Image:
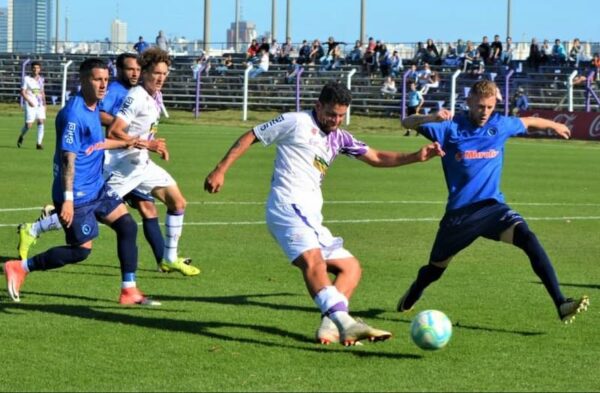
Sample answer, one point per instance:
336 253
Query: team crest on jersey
86 229
492 131
320 164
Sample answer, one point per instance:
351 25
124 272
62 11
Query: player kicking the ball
307 143
474 143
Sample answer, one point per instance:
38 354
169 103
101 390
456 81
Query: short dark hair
335 93
86 67
123 56
35 63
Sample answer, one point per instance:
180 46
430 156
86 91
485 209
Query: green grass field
247 324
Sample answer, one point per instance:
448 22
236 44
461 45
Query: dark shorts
86 216
459 228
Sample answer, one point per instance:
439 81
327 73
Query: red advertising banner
583 125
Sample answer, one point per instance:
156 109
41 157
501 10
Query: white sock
46 224
335 305
40 134
128 284
24 265
174 227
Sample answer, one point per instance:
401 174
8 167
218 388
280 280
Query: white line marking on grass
392 203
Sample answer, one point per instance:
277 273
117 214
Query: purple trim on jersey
341 141
341 306
305 221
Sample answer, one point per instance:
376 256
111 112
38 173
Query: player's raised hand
214 181
432 150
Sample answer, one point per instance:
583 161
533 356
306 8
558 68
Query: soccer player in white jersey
132 169
32 91
307 143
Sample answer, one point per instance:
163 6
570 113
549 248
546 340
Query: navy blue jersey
78 130
474 156
115 95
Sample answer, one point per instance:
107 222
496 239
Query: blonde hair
483 89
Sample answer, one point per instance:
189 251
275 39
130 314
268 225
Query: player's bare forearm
383 159
110 144
68 170
215 179
541 123
413 122
106 119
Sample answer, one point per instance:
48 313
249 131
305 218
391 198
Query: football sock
40 134
57 257
334 305
128 280
45 224
427 274
126 230
24 130
154 237
174 227
526 240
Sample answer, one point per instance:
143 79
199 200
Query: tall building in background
30 23
118 35
246 31
3 29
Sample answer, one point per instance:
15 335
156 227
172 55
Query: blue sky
389 20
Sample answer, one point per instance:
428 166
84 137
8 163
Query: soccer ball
431 329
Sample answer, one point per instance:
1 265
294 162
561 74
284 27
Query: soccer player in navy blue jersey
474 145
80 193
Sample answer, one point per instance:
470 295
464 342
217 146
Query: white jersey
141 112
34 90
304 153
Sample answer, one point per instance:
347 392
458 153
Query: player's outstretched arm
385 159
540 123
413 122
215 179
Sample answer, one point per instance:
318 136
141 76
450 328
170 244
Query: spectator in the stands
292 71
432 55
461 47
576 53
546 52
316 52
385 60
161 41
496 50
507 54
388 89
226 64
355 54
369 58
519 102
414 102
420 54
595 63
535 55
559 54
484 50
252 52
202 64
451 59
285 54
331 59
304 53
264 45
412 74
396 67
262 66
473 60
423 75
141 45
274 51
432 82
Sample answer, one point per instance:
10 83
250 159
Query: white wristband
68 195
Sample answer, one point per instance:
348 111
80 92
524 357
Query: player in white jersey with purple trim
307 143
32 91
132 169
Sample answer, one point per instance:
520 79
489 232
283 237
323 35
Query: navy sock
126 230
528 242
154 237
58 257
427 274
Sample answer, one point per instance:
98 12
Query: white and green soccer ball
431 329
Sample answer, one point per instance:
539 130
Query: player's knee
78 254
147 209
523 237
125 226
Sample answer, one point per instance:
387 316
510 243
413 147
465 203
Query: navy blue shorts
459 228
86 216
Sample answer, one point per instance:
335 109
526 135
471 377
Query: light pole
508 16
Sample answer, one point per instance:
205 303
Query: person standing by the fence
32 91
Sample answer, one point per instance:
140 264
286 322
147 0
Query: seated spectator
262 66
496 50
412 74
414 102
546 52
388 89
559 54
451 58
316 52
369 56
432 55
384 58
252 52
226 64
355 54
292 71
304 53
331 59
519 102
460 48
423 75
285 54
595 63
507 54
396 66
432 82
473 60
202 64
264 45
576 53
274 51
420 54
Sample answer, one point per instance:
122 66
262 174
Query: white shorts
125 177
33 113
297 230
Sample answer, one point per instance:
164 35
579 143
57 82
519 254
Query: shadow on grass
203 328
